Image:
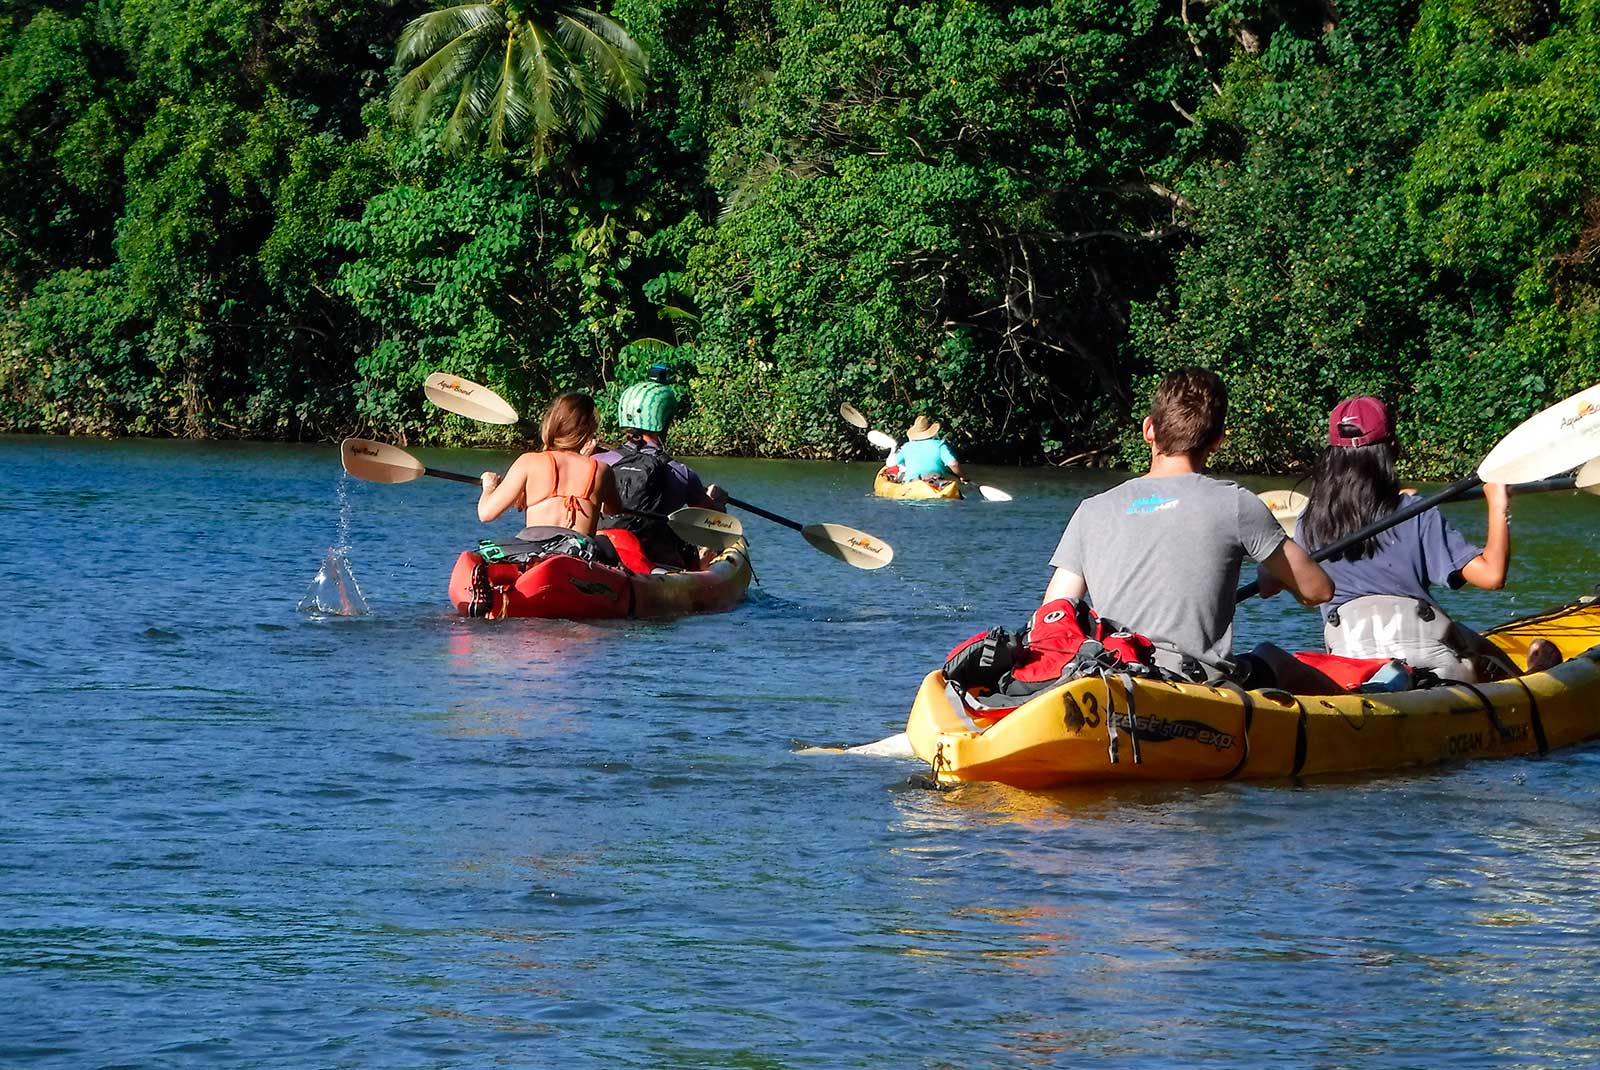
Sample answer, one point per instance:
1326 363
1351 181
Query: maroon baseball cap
1367 417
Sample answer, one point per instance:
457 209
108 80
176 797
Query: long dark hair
1350 488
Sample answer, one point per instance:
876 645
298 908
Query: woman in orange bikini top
560 486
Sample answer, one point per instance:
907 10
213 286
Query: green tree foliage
61 108
938 206
1304 281
1504 196
1404 204
1012 216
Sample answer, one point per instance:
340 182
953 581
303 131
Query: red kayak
574 589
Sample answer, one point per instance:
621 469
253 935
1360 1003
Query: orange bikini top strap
594 473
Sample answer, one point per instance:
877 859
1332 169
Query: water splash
342 542
335 592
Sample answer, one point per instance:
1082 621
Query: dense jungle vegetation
272 218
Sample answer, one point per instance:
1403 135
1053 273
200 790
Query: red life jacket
1057 631
1348 673
1047 650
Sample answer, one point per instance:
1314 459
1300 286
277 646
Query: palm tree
520 71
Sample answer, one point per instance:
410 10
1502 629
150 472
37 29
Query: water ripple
233 836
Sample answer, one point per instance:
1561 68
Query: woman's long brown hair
569 422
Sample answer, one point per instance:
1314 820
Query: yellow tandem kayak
1096 730
917 489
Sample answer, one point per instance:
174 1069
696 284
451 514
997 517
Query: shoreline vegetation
272 219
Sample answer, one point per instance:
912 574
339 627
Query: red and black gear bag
1059 628
995 660
977 664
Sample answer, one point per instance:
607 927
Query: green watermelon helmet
647 406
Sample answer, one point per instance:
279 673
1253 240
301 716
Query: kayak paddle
853 547
378 462
1586 479
1563 436
455 394
1286 506
884 442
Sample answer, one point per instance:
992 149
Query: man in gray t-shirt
1161 554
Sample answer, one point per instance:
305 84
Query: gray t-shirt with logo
1161 556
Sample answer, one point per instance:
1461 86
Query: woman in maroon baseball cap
1382 605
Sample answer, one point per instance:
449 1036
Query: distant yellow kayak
916 489
1094 730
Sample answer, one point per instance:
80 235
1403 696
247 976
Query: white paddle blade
895 746
854 548
378 462
1558 439
707 527
1286 506
1588 477
465 398
993 494
884 442
852 415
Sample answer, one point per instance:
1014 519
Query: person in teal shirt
924 454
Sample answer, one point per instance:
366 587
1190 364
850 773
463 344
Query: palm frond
508 113
519 77
477 96
418 92
586 103
544 72
426 34
604 43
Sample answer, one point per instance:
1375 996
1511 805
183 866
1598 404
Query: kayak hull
1094 730
572 589
916 490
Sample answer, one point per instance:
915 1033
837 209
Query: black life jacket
644 482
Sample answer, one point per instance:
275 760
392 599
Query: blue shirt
1425 551
922 457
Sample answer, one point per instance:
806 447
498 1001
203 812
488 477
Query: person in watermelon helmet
651 480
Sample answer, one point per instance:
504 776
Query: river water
235 835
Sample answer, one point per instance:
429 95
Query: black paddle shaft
1455 490
457 476
1537 486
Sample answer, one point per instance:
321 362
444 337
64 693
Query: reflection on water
233 835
